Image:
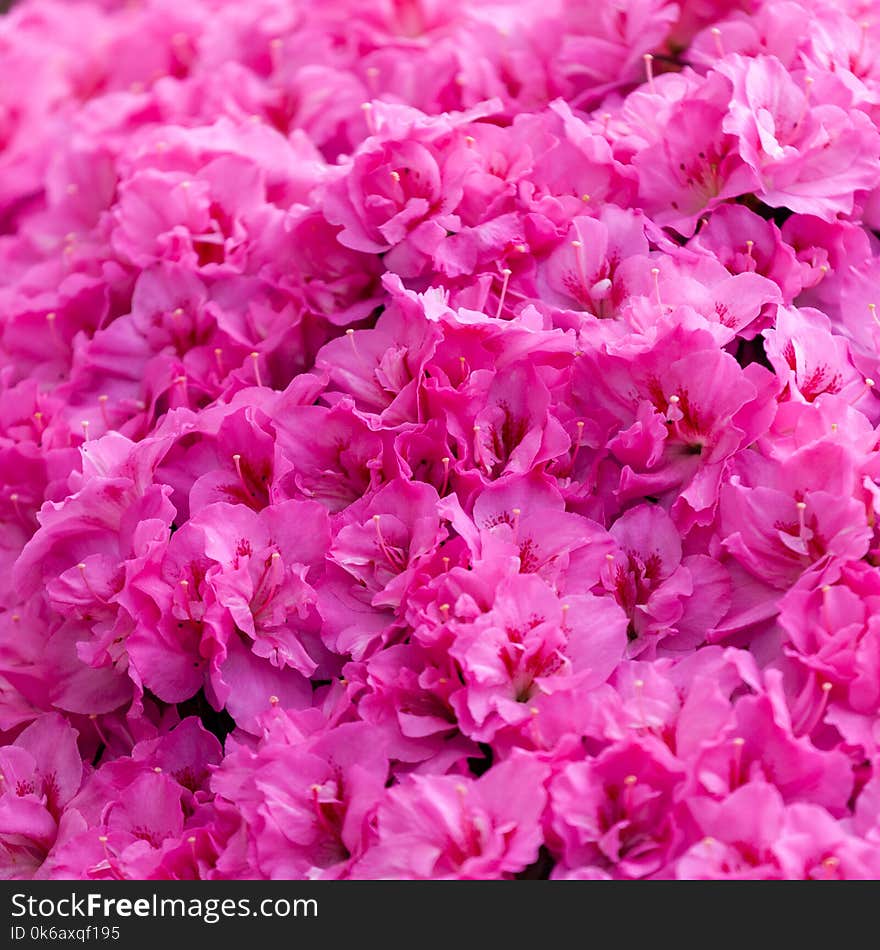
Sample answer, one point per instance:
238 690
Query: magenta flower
445 827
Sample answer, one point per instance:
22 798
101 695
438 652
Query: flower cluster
439 439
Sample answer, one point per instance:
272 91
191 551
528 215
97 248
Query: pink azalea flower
617 812
677 411
41 772
446 826
695 165
667 598
810 158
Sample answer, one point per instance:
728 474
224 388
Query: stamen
322 820
218 358
629 783
810 720
826 616
255 357
445 460
275 53
350 334
397 188
649 70
103 400
802 509
267 585
865 26
581 264
14 498
236 461
184 585
736 767
516 512
82 570
872 307
369 117
51 319
639 687
655 273
85 428
719 46
94 720
506 274
577 445
382 545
